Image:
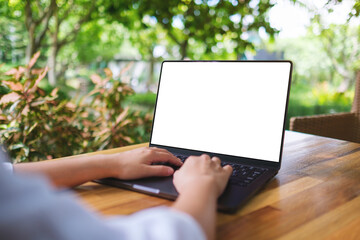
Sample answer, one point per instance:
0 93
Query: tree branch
63 68
46 20
337 67
72 35
355 49
38 5
66 13
28 14
172 36
344 36
46 12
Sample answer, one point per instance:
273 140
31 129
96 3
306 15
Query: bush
37 125
144 101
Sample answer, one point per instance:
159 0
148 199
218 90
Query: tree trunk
31 47
52 65
151 69
183 49
345 84
356 103
54 49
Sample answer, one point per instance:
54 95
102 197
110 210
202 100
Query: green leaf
17 146
31 128
14 105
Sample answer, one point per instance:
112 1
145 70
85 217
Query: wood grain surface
316 195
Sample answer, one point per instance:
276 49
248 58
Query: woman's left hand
137 163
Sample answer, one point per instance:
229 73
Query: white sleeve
160 223
8 167
30 202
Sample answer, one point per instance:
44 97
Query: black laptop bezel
243 160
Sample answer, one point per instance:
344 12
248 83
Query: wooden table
316 195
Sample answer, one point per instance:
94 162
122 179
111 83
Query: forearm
200 202
68 172
131 164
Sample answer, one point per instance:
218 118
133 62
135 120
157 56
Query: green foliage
323 62
207 23
96 41
306 100
71 34
37 125
12 40
311 64
143 99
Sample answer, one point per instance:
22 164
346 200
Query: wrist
112 165
199 201
203 187
100 166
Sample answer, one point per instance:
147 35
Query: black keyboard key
244 175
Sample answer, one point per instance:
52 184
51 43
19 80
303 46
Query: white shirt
31 209
8 167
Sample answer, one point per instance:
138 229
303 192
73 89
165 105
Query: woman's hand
201 172
137 163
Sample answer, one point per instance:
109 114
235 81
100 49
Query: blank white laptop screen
232 108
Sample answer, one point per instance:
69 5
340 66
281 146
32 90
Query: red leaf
25 111
41 92
108 72
33 60
36 71
40 77
54 92
128 139
10 97
16 72
71 106
126 68
87 123
122 115
14 86
96 79
127 121
19 73
12 71
102 132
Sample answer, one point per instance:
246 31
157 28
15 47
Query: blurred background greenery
79 39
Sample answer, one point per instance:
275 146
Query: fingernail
170 171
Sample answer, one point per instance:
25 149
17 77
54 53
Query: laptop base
229 202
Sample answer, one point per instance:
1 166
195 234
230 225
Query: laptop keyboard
242 175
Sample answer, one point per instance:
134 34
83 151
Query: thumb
159 170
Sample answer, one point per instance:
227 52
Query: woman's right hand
202 172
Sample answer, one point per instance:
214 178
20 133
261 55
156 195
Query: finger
205 156
216 160
158 170
165 157
159 149
228 170
156 149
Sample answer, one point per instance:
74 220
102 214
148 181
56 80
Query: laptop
235 110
